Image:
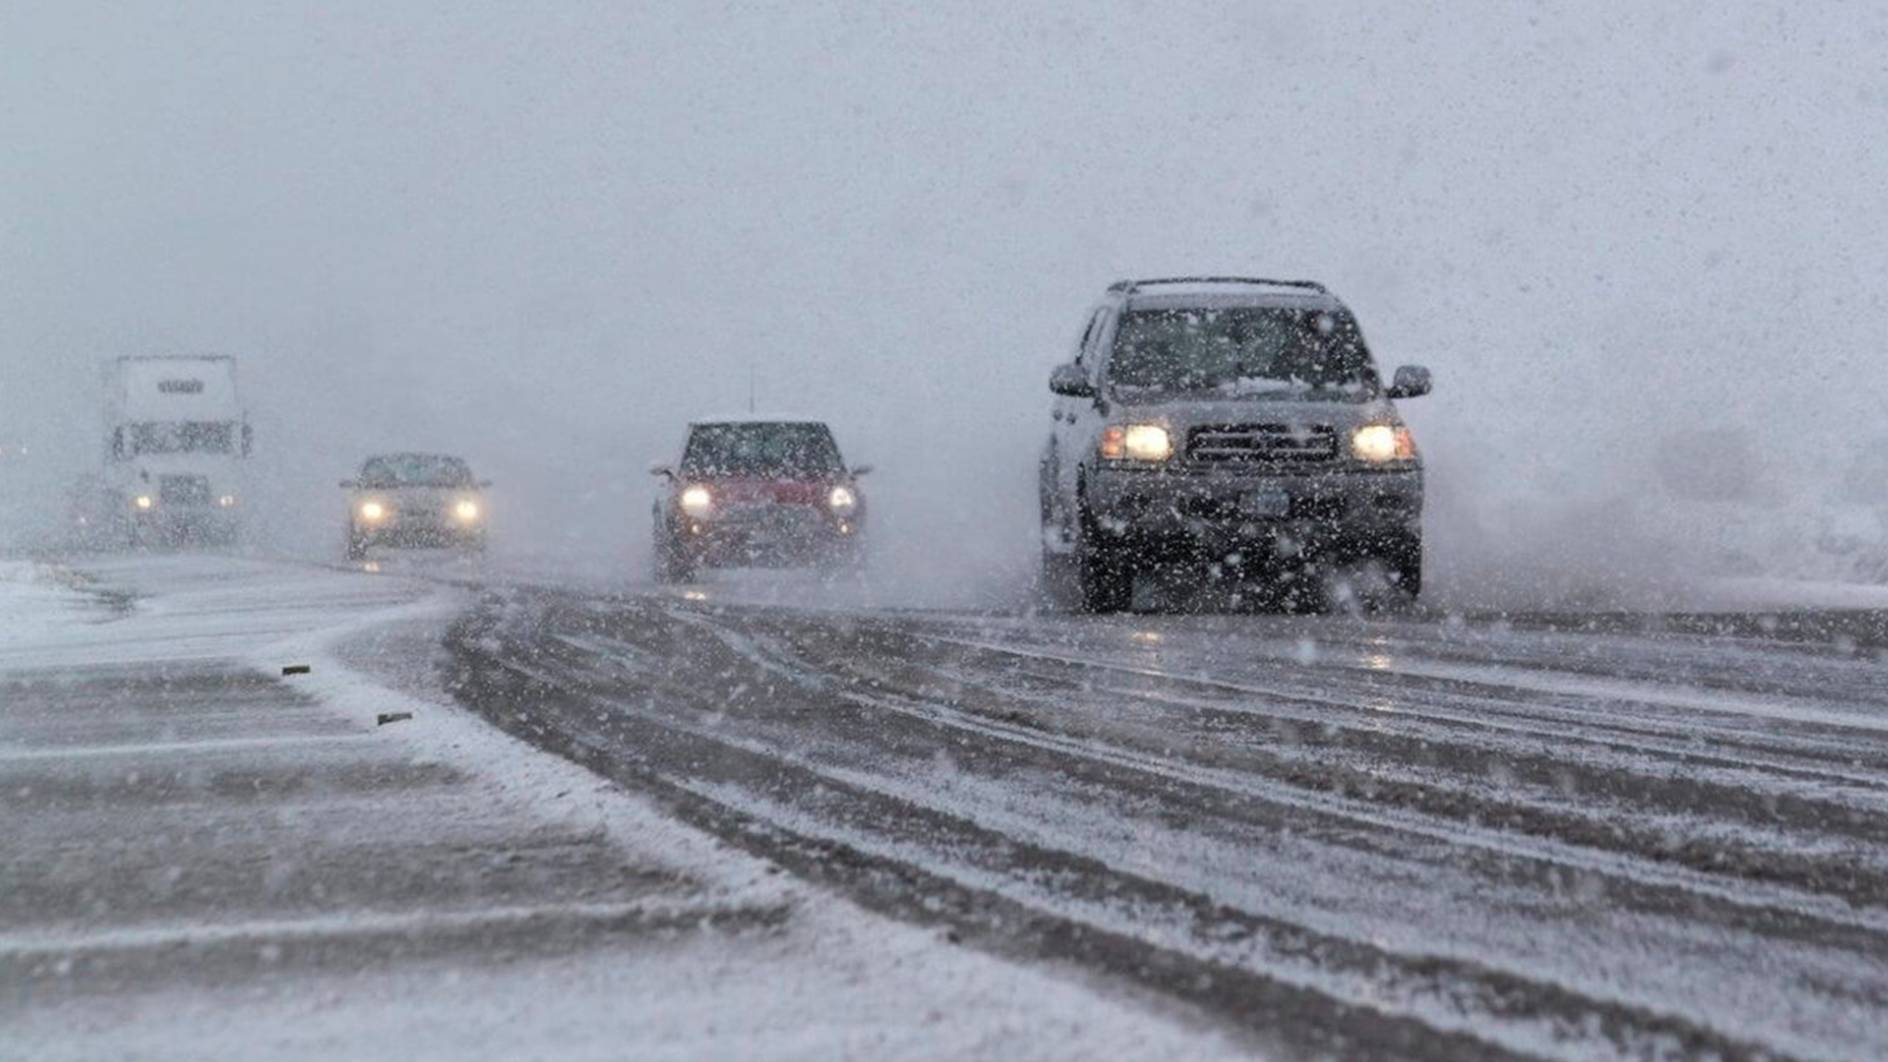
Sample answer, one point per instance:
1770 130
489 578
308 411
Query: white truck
176 439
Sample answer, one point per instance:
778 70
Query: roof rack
1131 286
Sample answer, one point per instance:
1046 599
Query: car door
1078 419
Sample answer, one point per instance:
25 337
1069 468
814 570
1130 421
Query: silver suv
1230 422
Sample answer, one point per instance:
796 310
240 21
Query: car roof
1184 292
1221 298
754 418
397 455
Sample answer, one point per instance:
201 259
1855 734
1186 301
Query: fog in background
1643 251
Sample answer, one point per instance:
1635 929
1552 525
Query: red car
758 493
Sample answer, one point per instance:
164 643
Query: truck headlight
143 502
227 501
1383 443
843 501
466 510
1136 442
697 502
373 511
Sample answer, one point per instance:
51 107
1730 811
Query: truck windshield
760 450
184 437
1242 351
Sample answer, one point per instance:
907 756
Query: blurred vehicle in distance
1231 426
758 492
176 439
415 500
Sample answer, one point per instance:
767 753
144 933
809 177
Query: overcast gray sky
547 234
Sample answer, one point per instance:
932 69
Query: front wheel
672 567
356 547
1401 562
1105 578
1405 564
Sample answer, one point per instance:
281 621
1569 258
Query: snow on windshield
1241 351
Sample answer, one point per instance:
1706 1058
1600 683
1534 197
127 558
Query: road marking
162 748
359 924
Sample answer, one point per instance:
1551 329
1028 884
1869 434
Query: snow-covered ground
431 888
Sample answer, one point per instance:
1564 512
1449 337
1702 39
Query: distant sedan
415 500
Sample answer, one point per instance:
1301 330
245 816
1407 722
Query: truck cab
176 440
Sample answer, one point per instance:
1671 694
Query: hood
221 470
415 497
752 490
1180 413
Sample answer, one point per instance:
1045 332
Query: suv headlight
697 502
466 510
843 501
1136 442
1383 443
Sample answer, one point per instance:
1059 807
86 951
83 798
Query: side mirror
1411 381
1071 381
249 440
350 484
861 470
657 468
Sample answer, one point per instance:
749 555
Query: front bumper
183 523
414 534
1344 512
771 538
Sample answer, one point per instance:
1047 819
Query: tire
356 547
1403 562
1106 581
672 568
1104 577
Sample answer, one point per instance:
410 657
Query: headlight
842 500
227 501
1380 443
697 502
467 510
143 501
372 511
1136 442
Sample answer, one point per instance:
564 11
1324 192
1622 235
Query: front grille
1222 508
183 490
1254 444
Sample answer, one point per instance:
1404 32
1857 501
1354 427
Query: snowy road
1581 838
1158 835
203 857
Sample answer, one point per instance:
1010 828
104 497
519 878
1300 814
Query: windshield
761 450
416 470
1242 351
183 437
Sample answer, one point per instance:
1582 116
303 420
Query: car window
1242 350
1087 342
761 449
416 470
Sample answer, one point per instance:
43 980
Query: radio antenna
750 388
